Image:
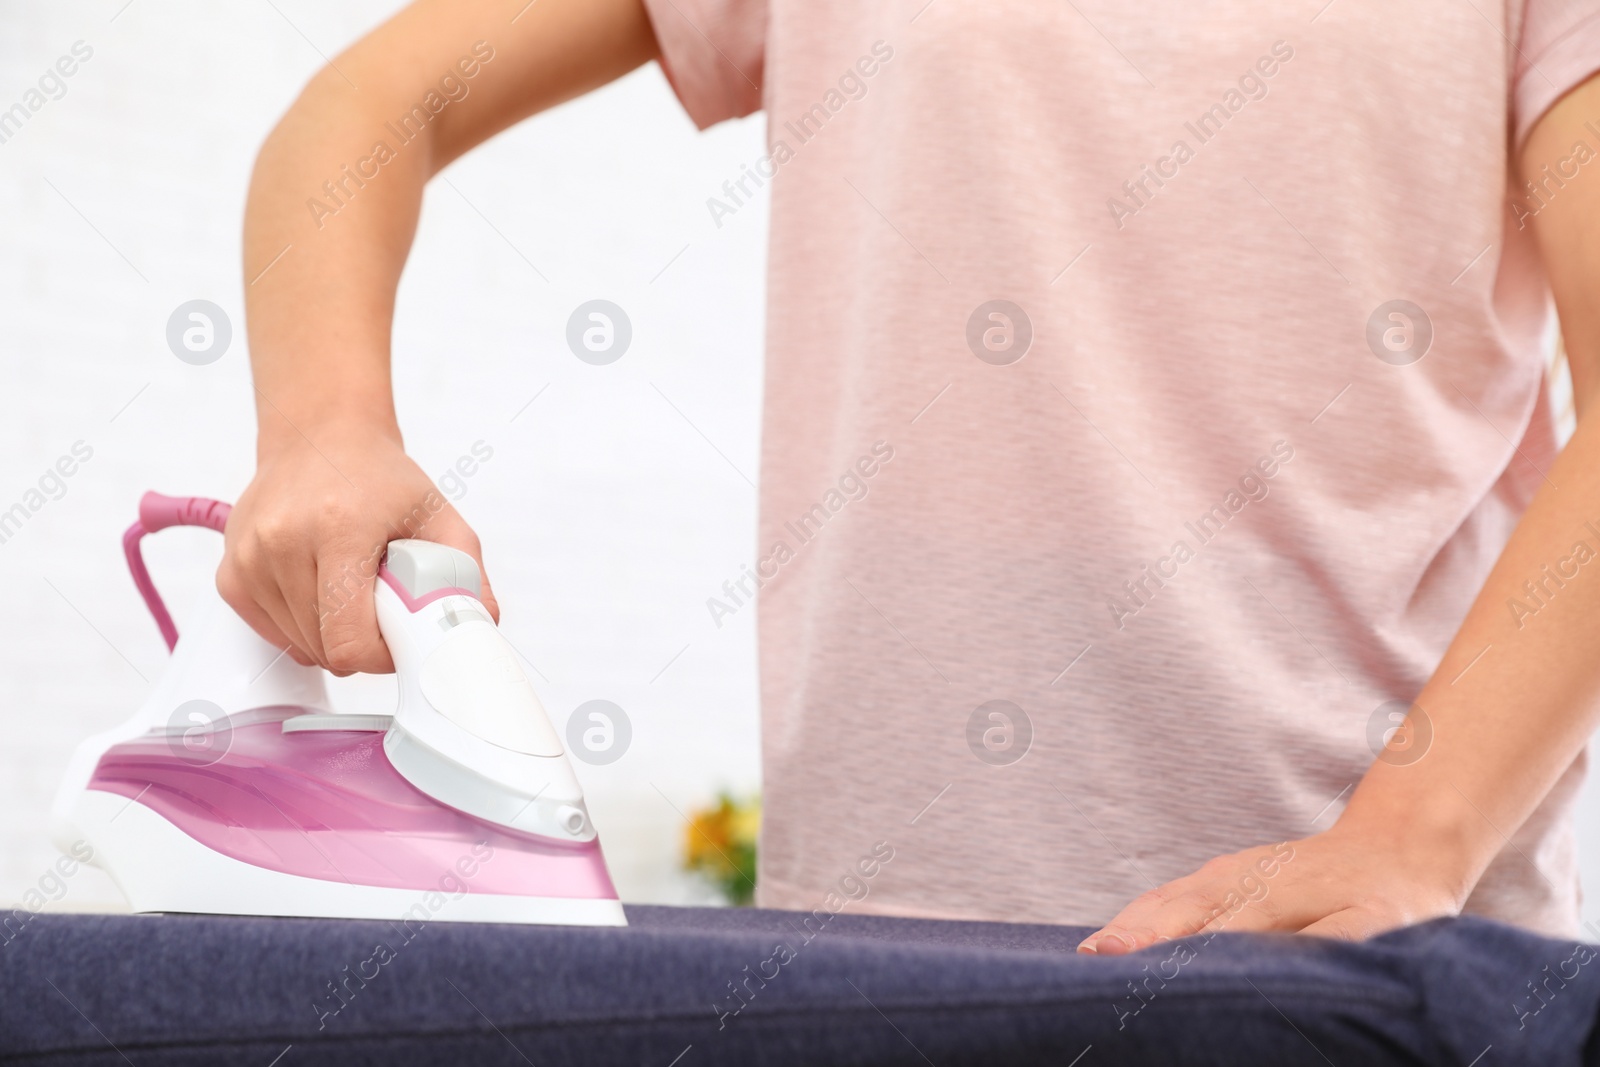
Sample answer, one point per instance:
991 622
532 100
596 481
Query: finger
1249 914
296 576
348 613
1228 892
1290 904
1177 909
264 554
269 553
269 597
1348 925
1351 924
236 594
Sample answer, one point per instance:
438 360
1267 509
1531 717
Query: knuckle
1210 905
1153 898
276 533
241 559
230 586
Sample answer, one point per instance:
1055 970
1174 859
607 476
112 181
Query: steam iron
235 789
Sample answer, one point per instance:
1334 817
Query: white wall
607 519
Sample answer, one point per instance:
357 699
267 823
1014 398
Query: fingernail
1111 945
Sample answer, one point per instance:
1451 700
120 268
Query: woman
1155 423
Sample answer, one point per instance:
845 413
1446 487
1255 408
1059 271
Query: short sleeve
1557 50
713 53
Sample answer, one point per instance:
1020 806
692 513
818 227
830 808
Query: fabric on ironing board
858 990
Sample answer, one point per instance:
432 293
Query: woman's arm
332 211
1504 723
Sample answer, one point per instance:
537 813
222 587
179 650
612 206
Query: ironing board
689 987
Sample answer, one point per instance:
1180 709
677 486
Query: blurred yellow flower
720 844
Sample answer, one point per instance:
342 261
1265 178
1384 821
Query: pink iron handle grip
157 512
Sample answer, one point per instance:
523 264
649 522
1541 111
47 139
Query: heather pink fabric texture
1198 209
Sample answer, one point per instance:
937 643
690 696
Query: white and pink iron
236 790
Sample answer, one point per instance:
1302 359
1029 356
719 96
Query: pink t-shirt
1149 392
